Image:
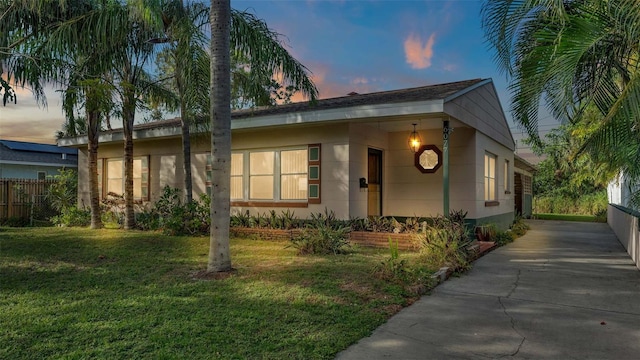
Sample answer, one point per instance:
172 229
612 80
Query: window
237 178
293 175
507 178
489 177
273 176
114 177
42 175
261 174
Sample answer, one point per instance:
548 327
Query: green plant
72 216
393 268
63 193
324 234
503 237
444 243
519 227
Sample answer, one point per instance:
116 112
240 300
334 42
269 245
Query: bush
502 238
73 217
325 234
588 204
444 243
63 193
173 217
393 268
519 227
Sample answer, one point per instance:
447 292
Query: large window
271 175
111 177
489 177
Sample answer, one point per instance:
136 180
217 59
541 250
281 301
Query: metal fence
20 198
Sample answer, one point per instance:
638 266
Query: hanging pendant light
414 140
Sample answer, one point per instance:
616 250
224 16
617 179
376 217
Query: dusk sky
348 45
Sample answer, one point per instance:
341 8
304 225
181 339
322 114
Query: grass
110 294
568 217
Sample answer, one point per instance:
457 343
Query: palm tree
48 49
252 41
572 55
220 92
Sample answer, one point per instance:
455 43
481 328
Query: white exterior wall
485 144
165 163
334 172
409 192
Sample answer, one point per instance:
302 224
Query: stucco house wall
346 128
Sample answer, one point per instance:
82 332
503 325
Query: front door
374 201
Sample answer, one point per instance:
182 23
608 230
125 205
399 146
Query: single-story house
26 160
409 152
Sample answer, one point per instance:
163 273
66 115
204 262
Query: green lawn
568 217
111 294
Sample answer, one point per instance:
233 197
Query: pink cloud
418 55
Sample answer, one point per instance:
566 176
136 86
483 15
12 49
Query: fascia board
306 117
9 162
341 114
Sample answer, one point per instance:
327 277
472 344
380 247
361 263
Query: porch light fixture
414 140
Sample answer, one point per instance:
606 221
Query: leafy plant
63 193
444 243
393 268
324 234
502 238
72 216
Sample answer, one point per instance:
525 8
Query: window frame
507 177
103 177
276 200
489 178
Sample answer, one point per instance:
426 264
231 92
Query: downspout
446 131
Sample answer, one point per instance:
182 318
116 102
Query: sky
347 45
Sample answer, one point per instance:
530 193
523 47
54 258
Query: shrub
393 268
444 243
324 234
73 217
503 237
63 193
519 227
173 217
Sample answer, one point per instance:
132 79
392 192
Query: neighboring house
620 189
348 154
25 160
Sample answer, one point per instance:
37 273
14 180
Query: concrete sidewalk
565 290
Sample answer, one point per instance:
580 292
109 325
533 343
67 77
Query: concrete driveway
565 290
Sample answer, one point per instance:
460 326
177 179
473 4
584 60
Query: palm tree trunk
219 256
186 135
93 128
127 124
186 154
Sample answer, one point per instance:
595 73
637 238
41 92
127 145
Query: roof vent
353 93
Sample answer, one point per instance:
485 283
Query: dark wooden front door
374 203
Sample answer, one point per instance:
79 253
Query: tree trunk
186 135
128 115
186 153
219 256
93 130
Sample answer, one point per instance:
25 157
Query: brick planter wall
265 234
377 239
363 238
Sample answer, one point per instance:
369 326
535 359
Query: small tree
63 193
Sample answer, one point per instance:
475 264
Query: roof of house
522 163
18 152
422 93
472 103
